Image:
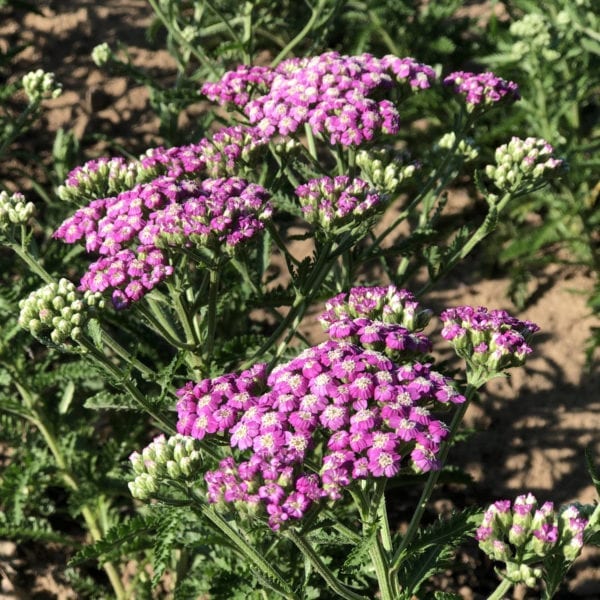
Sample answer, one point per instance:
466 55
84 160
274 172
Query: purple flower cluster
482 88
131 230
218 156
348 412
494 340
522 533
388 304
334 202
338 96
236 87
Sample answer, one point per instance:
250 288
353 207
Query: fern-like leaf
132 535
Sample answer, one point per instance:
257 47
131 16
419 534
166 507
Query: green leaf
431 551
592 469
94 330
119 540
528 244
590 45
67 398
360 550
105 400
167 538
555 569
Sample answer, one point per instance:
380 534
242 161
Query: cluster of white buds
465 147
101 54
177 457
523 164
39 85
535 38
57 312
385 169
14 210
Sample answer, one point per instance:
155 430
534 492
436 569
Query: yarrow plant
280 445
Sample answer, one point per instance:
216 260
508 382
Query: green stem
316 12
234 36
432 479
500 591
122 378
246 550
481 233
310 138
315 560
71 483
204 60
127 356
34 265
211 328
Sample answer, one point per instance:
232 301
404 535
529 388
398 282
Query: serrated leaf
360 550
94 330
105 400
555 569
168 534
118 541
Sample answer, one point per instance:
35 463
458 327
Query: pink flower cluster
482 88
348 412
334 202
218 156
388 304
494 340
338 96
523 531
130 230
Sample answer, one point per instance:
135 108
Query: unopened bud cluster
177 457
57 311
523 534
39 85
14 210
489 340
103 177
384 169
465 147
101 54
523 163
535 38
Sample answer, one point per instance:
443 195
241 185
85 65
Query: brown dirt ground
532 427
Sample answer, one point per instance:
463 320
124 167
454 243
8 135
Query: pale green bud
38 85
102 54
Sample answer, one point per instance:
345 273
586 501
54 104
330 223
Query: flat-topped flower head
57 312
522 534
482 89
228 152
492 340
358 415
135 230
341 97
524 164
332 203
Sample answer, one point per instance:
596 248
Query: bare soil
532 428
